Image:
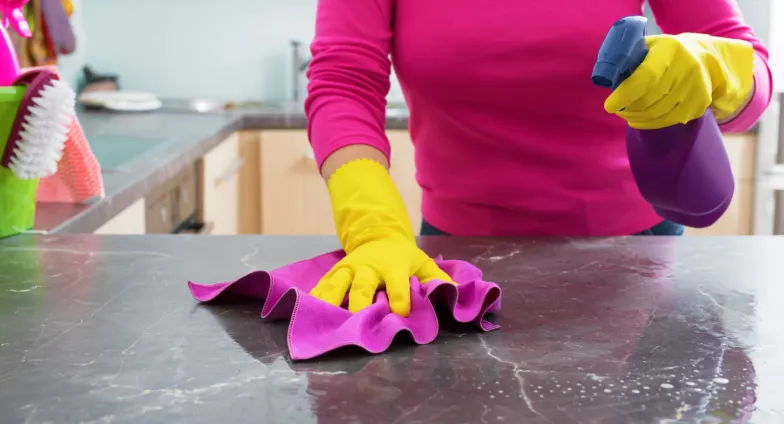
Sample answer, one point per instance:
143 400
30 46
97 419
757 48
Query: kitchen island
102 329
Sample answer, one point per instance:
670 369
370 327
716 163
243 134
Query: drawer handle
230 171
199 228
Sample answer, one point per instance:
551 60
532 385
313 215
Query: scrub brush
40 129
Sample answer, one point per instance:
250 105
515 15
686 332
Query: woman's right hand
376 234
387 263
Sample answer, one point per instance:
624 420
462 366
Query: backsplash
235 49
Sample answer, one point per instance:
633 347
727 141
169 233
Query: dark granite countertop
139 151
102 329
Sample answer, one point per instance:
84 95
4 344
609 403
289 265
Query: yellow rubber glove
681 77
375 231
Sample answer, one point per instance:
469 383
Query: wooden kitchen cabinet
219 195
737 220
250 183
294 198
131 221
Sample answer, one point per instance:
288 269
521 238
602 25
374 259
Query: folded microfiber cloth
317 327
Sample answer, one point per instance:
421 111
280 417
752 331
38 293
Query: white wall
70 66
237 49
230 49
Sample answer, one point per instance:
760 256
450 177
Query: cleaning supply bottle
683 170
35 111
11 14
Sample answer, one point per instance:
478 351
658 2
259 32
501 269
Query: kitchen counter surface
102 329
139 151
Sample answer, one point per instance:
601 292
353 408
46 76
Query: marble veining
102 329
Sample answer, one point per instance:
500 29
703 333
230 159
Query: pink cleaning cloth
78 177
317 327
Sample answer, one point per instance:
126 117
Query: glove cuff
366 204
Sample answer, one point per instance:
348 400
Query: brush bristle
44 132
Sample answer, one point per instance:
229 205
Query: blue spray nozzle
622 51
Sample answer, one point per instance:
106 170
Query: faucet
298 68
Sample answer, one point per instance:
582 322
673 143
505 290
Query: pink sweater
511 136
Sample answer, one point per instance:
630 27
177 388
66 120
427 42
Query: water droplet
690 383
635 391
646 387
666 386
611 385
557 385
500 391
492 397
569 389
720 380
607 391
541 396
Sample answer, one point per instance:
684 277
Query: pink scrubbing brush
40 128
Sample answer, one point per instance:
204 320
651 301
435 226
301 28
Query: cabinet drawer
185 195
159 215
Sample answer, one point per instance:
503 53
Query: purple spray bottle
683 171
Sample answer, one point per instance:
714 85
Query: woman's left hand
681 77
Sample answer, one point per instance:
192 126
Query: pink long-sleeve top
511 137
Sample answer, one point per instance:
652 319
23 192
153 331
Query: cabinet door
403 171
131 221
250 183
219 171
294 198
737 219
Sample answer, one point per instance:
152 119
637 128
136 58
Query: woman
511 136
